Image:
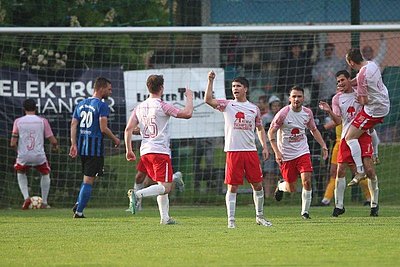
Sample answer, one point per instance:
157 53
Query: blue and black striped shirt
90 137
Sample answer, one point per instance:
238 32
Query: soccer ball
36 202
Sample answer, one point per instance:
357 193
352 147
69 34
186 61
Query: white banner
205 122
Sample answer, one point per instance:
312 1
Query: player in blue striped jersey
88 125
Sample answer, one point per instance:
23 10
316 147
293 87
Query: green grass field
113 237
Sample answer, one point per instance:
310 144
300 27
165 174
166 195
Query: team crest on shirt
351 111
295 135
240 122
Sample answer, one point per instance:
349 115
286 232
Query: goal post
57 67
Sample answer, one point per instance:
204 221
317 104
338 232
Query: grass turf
113 237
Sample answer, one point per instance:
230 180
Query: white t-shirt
31 131
153 115
345 106
370 83
241 119
291 134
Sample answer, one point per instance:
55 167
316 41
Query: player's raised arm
187 112
208 97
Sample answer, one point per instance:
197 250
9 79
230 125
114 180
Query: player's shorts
158 167
42 168
364 121
344 155
140 166
92 166
335 151
242 163
291 169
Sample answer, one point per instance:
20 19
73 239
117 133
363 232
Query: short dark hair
296 88
29 105
343 72
354 54
243 81
154 83
101 82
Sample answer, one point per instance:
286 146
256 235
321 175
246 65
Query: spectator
263 104
270 167
295 68
368 52
28 136
324 71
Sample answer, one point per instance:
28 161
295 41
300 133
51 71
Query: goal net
57 70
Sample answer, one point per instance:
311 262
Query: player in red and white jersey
292 153
28 136
152 117
374 96
241 120
345 108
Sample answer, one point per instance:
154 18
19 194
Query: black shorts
92 166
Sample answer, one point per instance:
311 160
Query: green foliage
200 239
82 51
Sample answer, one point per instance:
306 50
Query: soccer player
291 148
241 119
373 95
27 137
345 108
152 116
88 125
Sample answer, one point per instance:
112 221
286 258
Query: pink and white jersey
153 116
345 106
369 83
241 118
291 134
31 131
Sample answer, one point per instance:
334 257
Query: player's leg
23 185
375 144
372 185
306 194
44 170
288 183
304 166
365 190
92 167
233 178
330 187
351 138
340 187
254 176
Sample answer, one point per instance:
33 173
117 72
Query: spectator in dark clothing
295 68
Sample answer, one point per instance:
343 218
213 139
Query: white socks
137 187
374 191
45 187
258 197
153 190
355 149
230 199
163 207
282 186
375 142
305 201
339 192
23 184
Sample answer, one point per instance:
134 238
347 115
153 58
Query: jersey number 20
87 119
